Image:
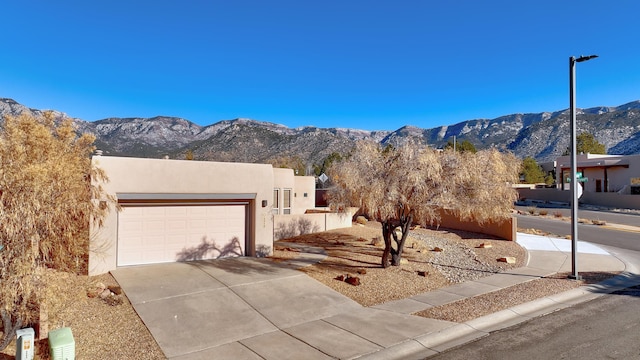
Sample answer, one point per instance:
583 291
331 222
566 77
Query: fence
608 199
286 226
505 229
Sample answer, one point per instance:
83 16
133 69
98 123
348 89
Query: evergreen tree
586 143
531 172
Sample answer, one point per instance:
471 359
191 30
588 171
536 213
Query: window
286 202
276 202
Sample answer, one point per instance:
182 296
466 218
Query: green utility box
61 344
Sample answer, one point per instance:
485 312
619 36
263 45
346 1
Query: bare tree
46 206
411 184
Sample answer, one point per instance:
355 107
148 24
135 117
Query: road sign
581 179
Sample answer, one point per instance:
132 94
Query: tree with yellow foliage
47 201
412 184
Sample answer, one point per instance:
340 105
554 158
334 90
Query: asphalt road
605 328
608 216
592 233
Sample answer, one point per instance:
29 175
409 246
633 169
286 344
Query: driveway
249 308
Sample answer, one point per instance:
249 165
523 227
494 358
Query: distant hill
543 136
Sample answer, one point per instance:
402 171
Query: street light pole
574 163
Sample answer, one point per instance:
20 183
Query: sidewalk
546 257
249 308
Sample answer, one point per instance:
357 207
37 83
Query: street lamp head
585 58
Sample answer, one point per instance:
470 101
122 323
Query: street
608 216
592 233
605 328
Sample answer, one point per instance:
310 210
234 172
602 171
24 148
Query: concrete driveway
249 308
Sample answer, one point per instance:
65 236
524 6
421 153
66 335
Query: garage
155 232
164 210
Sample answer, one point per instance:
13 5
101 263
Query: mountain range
543 136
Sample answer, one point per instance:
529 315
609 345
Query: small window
276 198
286 202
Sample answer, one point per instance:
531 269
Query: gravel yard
357 251
352 251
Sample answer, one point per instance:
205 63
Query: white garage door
154 234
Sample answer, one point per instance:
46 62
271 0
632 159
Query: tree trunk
396 255
386 235
9 328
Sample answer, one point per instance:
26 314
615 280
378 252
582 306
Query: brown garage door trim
158 199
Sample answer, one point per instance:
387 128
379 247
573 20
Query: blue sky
375 65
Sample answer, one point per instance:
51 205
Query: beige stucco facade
292 195
611 181
136 180
605 173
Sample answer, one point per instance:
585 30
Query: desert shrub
46 207
412 184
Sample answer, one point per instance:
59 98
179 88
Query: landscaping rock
438 249
361 220
423 273
117 290
340 277
377 241
355 281
508 259
361 271
114 300
105 294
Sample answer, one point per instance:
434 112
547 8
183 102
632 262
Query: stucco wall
292 225
614 200
304 196
556 195
159 176
505 229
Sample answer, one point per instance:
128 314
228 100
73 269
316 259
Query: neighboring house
606 180
603 173
180 210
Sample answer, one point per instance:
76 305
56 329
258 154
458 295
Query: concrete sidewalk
248 308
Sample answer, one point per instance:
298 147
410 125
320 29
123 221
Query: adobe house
180 210
605 173
604 180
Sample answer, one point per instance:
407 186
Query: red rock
355 281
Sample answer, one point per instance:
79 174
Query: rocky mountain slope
543 136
